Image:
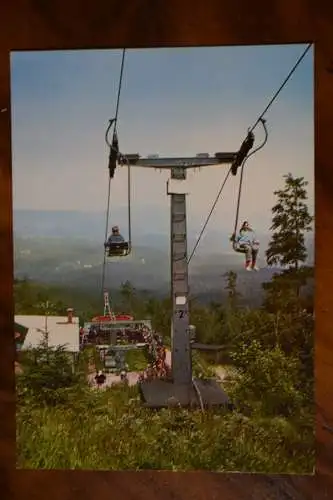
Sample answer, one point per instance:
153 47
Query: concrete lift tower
182 388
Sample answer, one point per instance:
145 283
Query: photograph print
163 224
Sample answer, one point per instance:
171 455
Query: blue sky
173 101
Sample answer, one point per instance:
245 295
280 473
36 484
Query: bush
268 379
49 376
136 360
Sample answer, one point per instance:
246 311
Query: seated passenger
115 236
247 243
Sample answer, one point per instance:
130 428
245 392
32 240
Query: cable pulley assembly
244 150
244 160
114 154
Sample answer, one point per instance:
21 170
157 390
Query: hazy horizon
179 101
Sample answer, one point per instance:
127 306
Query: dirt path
221 372
112 378
168 358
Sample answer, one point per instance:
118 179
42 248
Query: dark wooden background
54 24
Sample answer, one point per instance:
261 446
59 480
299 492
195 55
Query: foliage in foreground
109 429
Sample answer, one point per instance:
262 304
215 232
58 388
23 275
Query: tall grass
110 430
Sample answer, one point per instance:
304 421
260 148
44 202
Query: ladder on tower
107 309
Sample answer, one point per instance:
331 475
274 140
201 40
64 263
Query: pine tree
231 287
129 298
291 220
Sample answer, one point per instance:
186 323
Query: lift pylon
181 388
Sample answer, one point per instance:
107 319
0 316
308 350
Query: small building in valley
61 331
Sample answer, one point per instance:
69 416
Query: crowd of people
157 366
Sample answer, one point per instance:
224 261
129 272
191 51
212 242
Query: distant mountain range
90 227
66 248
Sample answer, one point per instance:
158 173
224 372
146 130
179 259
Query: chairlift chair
121 249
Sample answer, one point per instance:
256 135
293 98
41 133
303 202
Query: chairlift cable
120 85
209 215
114 123
129 204
283 84
259 119
106 232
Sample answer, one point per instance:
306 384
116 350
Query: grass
110 430
200 367
136 360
